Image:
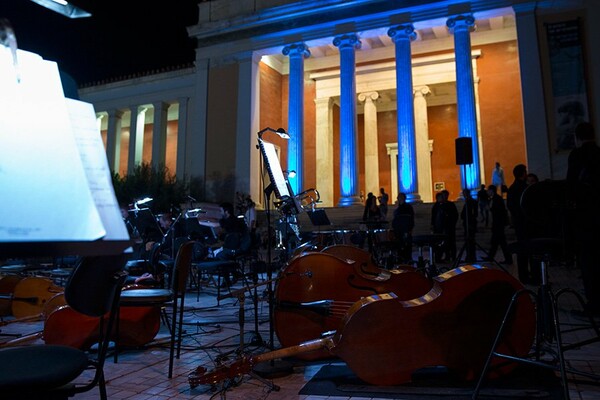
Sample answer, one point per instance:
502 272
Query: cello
28 295
384 340
316 289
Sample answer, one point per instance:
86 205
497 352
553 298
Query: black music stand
145 223
319 217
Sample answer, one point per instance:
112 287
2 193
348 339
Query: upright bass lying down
384 340
316 289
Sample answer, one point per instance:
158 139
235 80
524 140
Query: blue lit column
297 52
465 95
348 120
402 35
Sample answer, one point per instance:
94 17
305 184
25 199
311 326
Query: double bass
384 340
315 290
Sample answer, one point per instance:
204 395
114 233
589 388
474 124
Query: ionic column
402 35
461 26
296 52
182 121
159 134
113 139
348 120
371 147
136 137
422 143
324 149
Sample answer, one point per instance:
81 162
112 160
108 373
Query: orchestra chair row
52 371
173 295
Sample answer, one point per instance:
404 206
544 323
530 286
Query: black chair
52 371
174 295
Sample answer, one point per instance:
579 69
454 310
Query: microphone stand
273 368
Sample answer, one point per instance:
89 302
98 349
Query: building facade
374 93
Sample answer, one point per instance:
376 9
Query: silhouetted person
498 179
438 221
403 224
483 201
499 222
469 219
584 170
371 212
451 218
519 223
383 203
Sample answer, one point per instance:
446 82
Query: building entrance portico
433 85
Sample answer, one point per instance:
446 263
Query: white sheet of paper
93 157
44 189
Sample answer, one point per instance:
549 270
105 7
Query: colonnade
136 134
412 129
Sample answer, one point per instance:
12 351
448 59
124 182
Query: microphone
190 198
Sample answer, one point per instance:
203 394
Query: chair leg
172 344
180 329
117 327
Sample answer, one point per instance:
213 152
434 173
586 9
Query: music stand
145 223
319 217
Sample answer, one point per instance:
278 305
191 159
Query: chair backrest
181 268
93 285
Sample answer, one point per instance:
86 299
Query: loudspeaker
464 151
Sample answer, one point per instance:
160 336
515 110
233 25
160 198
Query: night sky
122 37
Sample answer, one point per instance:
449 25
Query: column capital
461 22
402 31
421 91
347 40
368 96
296 49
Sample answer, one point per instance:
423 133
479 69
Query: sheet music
45 195
93 157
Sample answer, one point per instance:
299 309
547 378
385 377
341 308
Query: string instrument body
384 340
316 289
26 296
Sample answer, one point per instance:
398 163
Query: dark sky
120 38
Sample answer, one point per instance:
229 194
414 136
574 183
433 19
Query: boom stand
548 323
273 368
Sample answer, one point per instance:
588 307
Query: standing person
383 203
483 201
438 221
371 212
513 201
498 178
469 219
403 224
584 169
499 221
450 221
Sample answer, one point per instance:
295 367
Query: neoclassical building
374 93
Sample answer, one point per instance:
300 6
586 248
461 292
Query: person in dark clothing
403 224
235 237
499 222
450 221
438 220
469 219
519 223
583 174
371 212
483 201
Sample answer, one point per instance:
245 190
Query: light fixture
281 132
63 7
